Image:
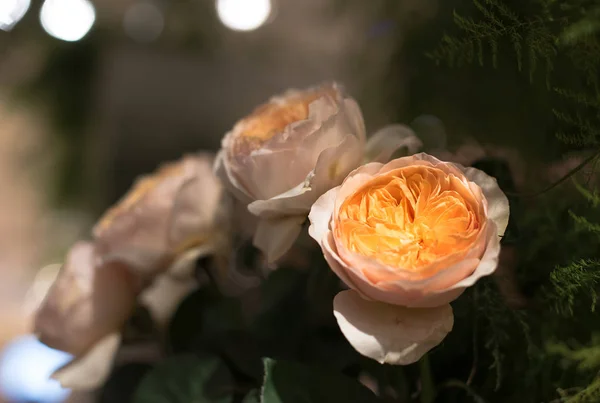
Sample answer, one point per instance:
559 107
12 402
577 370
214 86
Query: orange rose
407 237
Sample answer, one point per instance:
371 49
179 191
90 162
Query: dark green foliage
186 379
586 358
575 280
544 34
288 382
123 383
530 38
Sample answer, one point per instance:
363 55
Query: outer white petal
332 167
292 202
184 265
388 333
199 208
223 172
385 142
275 237
335 163
85 303
321 213
164 295
498 207
90 370
356 119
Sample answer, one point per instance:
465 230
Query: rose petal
223 171
320 214
387 141
184 265
416 294
335 163
199 207
292 202
274 237
332 166
388 333
163 297
90 370
263 164
85 303
355 117
498 206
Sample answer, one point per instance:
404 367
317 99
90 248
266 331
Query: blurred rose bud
180 207
288 152
145 249
87 303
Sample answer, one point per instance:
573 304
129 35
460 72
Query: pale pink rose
288 152
407 238
179 207
85 308
144 250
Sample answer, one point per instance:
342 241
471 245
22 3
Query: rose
144 249
287 153
407 237
82 313
175 209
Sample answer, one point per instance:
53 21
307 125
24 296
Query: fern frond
587 358
498 24
579 97
591 394
582 29
584 224
586 134
592 196
570 281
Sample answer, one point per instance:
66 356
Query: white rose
287 153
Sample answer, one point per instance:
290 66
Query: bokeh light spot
25 369
243 15
11 12
143 21
68 20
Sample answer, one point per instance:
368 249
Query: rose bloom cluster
406 236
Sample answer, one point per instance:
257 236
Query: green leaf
289 382
187 379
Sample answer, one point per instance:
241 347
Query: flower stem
427 387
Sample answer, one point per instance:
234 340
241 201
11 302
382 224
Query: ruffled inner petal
410 218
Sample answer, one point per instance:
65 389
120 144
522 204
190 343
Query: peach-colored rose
288 152
407 237
144 249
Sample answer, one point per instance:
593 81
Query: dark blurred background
94 93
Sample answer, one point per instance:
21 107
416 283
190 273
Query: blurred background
94 93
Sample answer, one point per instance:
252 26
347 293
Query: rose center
139 191
272 118
410 217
